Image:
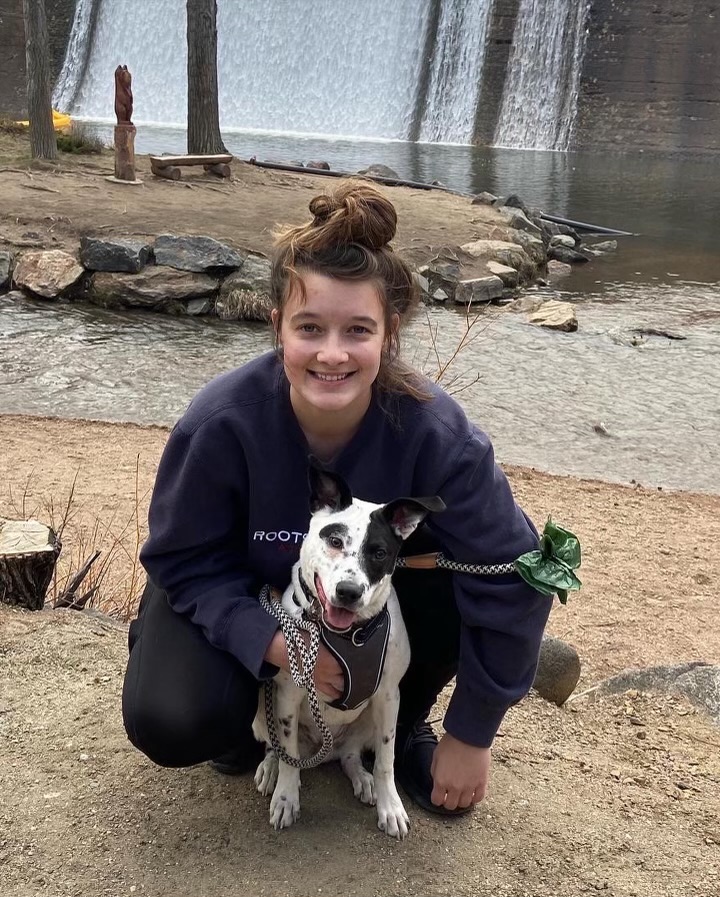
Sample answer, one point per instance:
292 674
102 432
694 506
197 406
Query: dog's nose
348 593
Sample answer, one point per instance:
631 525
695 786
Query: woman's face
332 344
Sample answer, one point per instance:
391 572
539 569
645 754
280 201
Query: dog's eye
380 554
335 542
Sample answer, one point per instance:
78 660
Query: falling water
312 66
76 55
541 90
456 71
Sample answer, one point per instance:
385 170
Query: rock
440 295
114 254
558 670
155 287
567 255
510 254
555 316
605 246
322 166
422 282
563 240
47 273
526 304
517 203
478 289
6 263
443 273
199 307
556 269
245 295
193 253
533 246
14 295
484 199
517 219
701 685
508 275
380 171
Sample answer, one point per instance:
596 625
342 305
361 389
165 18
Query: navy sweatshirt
231 506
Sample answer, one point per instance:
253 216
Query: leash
438 559
302 659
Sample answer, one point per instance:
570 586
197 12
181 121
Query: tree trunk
28 554
43 143
203 115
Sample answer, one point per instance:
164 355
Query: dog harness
361 652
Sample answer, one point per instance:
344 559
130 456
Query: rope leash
438 559
302 659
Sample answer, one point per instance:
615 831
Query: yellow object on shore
61 122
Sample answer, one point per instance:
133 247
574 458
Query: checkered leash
302 659
439 560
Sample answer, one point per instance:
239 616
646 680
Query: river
606 401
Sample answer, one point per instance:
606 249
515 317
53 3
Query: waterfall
332 67
76 55
541 89
455 71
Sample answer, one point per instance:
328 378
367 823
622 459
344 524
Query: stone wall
60 15
651 77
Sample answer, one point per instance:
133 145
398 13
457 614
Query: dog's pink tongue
338 617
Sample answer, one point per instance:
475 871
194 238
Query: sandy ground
616 795
619 795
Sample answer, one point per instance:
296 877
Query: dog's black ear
404 515
327 490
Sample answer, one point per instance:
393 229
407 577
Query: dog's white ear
327 490
404 515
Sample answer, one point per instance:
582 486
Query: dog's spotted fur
350 550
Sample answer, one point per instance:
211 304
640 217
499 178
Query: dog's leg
392 817
362 780
285 802
267 773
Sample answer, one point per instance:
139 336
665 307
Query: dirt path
618 795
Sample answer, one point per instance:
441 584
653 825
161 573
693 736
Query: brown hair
348 239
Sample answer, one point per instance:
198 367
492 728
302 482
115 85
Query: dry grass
107 550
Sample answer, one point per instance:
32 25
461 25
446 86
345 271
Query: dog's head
350 551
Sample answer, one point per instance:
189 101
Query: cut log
210 159
28 553
167 171
125 152
221 169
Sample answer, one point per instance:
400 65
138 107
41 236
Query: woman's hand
460 772
328 676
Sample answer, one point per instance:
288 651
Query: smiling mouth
337 618
331 378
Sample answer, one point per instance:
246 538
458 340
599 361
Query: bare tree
43 143
203 115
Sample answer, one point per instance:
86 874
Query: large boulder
478 289
194 253
518 220
533 246
6 263
377 170
506 253
155 287
245 294
47 273
115 254
568 255
508 275
555 315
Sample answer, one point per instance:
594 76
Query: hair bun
354 213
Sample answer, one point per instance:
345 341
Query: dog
343 575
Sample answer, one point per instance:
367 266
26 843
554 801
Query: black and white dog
343 576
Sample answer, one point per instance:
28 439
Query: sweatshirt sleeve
196 550
502 617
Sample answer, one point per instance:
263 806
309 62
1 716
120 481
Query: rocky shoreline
506 248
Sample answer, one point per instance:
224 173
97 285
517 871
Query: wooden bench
169 166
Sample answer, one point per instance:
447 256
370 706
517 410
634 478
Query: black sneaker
414 751
241 760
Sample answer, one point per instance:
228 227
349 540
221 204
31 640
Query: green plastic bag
549 569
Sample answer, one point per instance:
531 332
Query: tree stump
28 553
125 152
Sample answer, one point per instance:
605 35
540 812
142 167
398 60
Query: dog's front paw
364 786
392 818
284 809
266 774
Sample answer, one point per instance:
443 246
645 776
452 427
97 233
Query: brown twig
68 598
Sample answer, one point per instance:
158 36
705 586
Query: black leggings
185 701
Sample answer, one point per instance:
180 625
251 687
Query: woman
230 508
